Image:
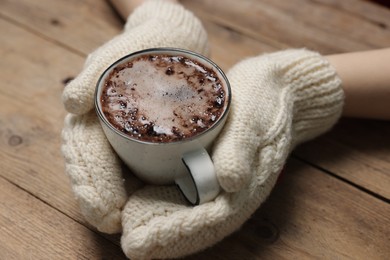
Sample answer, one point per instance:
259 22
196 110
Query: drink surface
163 98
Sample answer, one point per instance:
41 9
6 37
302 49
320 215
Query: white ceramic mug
186 162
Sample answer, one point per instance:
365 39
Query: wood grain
227 46
31 116
357 151
325 26
32 230
80 26
332 202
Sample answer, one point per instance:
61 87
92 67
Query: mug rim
162 50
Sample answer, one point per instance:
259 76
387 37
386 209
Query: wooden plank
31 116
326 26
338 22
31 229
227 46
356 150
311 215
79 25
371 10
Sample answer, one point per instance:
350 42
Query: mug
185 162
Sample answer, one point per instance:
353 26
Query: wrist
365 83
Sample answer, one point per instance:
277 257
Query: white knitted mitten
278 101
156 23
93 167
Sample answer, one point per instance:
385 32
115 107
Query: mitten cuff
317 94
177 17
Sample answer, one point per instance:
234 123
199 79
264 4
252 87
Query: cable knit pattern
154 24
278 101
95 172
94 169
288 96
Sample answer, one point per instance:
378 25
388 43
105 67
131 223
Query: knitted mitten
93 167
156 23
278 101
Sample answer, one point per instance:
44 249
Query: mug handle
200 184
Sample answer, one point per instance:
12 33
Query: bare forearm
123 7
366 82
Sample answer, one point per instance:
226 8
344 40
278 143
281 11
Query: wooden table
332 201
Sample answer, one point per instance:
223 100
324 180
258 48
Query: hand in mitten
94 169
278 101
156 23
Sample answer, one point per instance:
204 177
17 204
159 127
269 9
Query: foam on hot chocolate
162 98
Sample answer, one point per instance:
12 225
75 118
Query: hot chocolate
163 98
